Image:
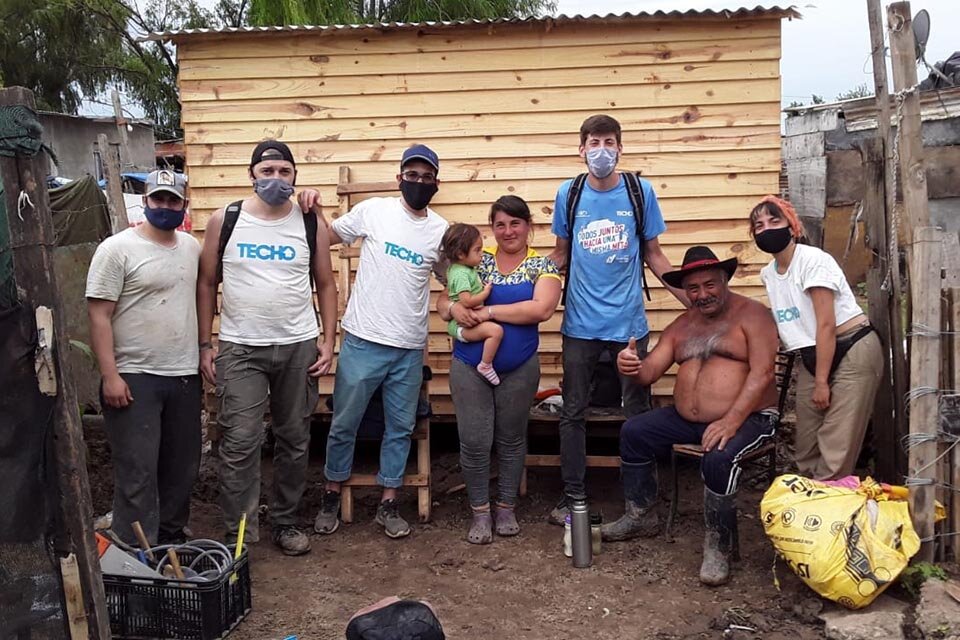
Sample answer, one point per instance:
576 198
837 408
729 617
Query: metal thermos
580 532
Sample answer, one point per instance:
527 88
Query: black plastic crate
179 609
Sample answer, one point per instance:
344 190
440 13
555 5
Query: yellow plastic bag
847 544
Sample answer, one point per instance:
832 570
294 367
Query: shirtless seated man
725 399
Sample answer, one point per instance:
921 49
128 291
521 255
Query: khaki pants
248 379
828 442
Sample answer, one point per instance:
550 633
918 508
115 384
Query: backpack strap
573 199
230 216
310 228
635 191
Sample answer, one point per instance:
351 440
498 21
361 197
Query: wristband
206 345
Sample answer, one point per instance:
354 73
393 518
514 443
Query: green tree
290 12
859 91
814 99
57 50
69 51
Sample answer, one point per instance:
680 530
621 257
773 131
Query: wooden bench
599 421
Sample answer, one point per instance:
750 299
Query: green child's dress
461 278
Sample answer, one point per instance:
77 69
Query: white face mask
601 161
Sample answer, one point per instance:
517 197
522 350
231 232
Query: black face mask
774 240
417 194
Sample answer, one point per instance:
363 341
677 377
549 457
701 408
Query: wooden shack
697 94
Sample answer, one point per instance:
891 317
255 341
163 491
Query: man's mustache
703 302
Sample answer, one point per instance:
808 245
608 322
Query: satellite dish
921 32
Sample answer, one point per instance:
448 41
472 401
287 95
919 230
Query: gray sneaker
291 540
558 514
388 515
328 520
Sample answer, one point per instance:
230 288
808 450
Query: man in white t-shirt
384 331
143 325
269 249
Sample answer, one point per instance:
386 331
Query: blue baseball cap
421 152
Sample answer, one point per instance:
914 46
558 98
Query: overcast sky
826 52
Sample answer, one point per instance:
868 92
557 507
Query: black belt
808 355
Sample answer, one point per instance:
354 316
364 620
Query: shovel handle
142 539
175 563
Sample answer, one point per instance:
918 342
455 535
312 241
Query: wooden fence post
33 240
951 379
887 248
924 403
913 174
110 162
885 436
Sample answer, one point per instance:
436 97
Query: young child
463 247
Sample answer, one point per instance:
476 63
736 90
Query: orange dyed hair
780 208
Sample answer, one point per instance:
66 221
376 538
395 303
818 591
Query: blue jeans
362 367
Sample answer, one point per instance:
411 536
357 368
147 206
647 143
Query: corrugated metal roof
713 10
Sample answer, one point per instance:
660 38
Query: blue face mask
601 161
163 217
273 191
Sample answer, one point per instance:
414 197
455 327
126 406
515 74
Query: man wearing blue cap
384 331
141 299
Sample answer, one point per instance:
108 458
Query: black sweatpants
652 435
155 447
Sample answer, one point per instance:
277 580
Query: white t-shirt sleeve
106 274
823 271
353 225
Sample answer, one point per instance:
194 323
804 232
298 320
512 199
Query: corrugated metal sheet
860 114
713 10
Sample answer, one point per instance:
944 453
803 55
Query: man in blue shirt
604 297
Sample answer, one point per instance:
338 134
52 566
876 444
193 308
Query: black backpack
230 216
636 201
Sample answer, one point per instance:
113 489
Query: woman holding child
521 290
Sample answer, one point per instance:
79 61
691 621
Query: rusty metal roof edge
946 101
788 11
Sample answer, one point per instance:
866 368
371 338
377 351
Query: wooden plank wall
699 101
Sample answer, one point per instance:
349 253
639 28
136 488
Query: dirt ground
521 587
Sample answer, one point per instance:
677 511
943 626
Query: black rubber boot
720 538
640 498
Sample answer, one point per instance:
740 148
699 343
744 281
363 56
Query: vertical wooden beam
73 596
913 174
343 269
882 248
125 159
952 381
885 440
925 382
32 239
111 171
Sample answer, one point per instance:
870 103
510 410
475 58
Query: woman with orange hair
818 316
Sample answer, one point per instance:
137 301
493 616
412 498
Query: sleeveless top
267 297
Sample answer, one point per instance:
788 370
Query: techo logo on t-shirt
266 251
787 315
403 253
